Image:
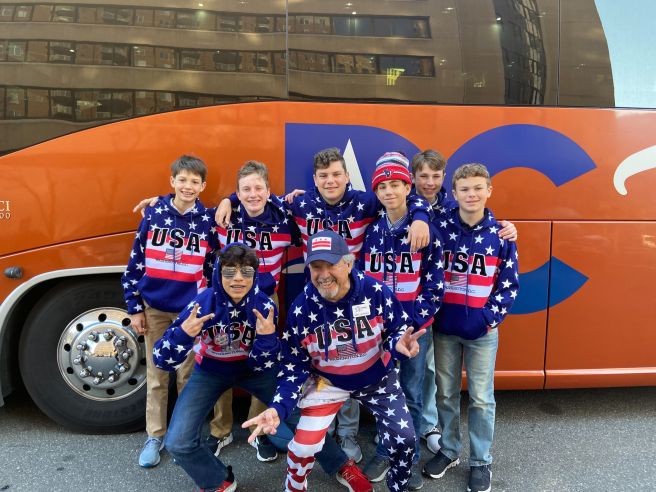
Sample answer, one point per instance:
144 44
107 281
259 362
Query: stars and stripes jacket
415 278
349 218
350 342
442 205
167 261
481 277
268 234
228 343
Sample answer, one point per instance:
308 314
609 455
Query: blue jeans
183 439
479 357
429 415
347 419
411 377
331 457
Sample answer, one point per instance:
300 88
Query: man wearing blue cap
343 334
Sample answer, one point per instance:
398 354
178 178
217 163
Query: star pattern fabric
417 279
351 343
227 343
269 234
349 217
167 265
481 273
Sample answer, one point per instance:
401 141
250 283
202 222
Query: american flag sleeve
506 286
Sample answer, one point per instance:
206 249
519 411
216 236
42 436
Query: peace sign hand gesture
264 326
407 344
193 324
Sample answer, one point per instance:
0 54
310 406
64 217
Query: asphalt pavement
565 440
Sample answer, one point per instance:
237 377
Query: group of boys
384 267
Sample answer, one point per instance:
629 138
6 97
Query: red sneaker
352 478
228 485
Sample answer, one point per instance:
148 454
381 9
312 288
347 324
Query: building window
165 57
164 18
61 52
37 103
37 51
143 17
42 13
64 13
16 51
6 13
15 102
23 13
62 104
143 56
226 22
165 101
144 103
226 61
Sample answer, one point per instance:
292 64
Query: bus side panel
604 334
522 338
97 252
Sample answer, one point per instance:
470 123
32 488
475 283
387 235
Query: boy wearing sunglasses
231 327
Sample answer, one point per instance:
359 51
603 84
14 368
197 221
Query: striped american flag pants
319 404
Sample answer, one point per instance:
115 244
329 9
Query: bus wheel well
10 378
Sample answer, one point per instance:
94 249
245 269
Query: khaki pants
157 380
221 424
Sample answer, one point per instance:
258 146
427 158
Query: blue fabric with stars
356 207
227 343
347 361
442 205
165 283
420 290
479 299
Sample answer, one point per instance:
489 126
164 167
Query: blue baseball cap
326 245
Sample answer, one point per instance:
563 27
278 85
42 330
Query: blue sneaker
149 456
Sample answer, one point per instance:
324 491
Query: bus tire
81 362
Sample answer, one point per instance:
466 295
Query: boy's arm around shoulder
429 299
506 287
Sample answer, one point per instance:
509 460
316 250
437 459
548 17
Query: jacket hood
487 221
274 213
223 300
315 196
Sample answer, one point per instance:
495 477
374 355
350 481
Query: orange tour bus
556 97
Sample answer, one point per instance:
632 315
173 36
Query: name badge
361 310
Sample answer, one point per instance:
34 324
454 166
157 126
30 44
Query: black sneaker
216 444
437 466
377 468
265 449
480 479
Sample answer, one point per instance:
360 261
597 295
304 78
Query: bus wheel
81 362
